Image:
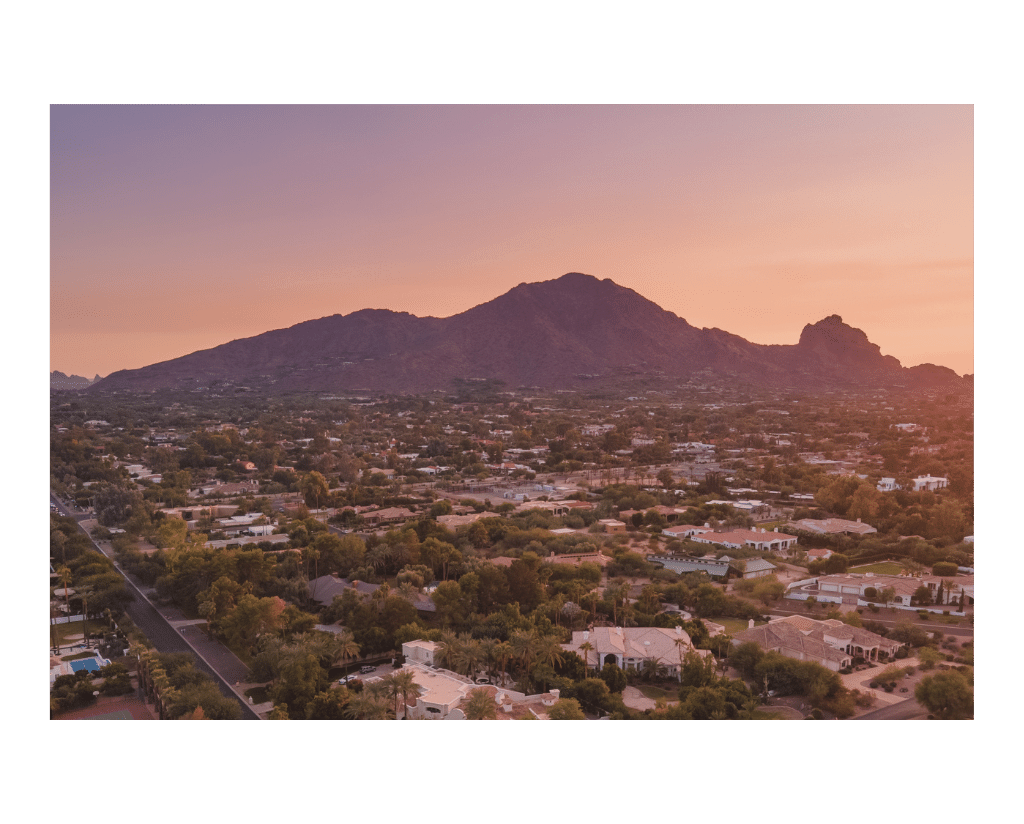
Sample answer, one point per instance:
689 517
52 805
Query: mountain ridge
565 332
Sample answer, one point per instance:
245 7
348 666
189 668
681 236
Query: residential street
169 631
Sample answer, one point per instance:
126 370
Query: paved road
212 657
903 711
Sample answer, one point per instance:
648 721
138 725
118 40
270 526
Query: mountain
568 332
58 380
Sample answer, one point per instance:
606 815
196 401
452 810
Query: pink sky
179 228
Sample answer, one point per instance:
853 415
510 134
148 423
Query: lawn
259 695
61 633
657 693
734 625
883 568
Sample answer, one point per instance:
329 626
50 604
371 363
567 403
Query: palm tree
479 706
681 647
448 653
404 685
346 646
487 646
524 649
368 706
502 653
549 651
390 690
65 576
470 656
586 647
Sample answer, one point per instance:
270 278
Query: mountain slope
555 333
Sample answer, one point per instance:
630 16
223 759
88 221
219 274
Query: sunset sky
177 228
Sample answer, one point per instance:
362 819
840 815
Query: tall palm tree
479 706
392 691
470 656
524 649
681 648
549 651
503 652
487 646
403 683
368 706
346 646
586 648
65 576
448 654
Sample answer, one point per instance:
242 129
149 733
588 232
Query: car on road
348 679
367 669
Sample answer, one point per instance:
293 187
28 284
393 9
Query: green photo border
464 52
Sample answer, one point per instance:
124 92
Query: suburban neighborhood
498 555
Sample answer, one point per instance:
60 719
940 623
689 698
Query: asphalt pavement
169 631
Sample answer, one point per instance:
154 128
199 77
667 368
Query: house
714 569
629 647
753 567
830 643
818 554
758 539
326 588
926 483
224 489
887 485
388 515
834 526
903 586
455 521
577 558
556 508
442 692
684 531
612 526
581 506
421 651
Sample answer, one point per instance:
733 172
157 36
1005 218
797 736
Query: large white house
830 643
629 647
927 483
758 539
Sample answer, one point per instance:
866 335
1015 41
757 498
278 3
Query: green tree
614 677
697 670
837 563
566 709
479 706
314 489
929 657
329 705
300 680
947 695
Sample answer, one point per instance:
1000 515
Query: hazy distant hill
573 331
58 380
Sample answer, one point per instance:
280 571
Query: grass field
883 568
66 634
734 625
656 693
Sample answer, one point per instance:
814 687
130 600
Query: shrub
863 699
